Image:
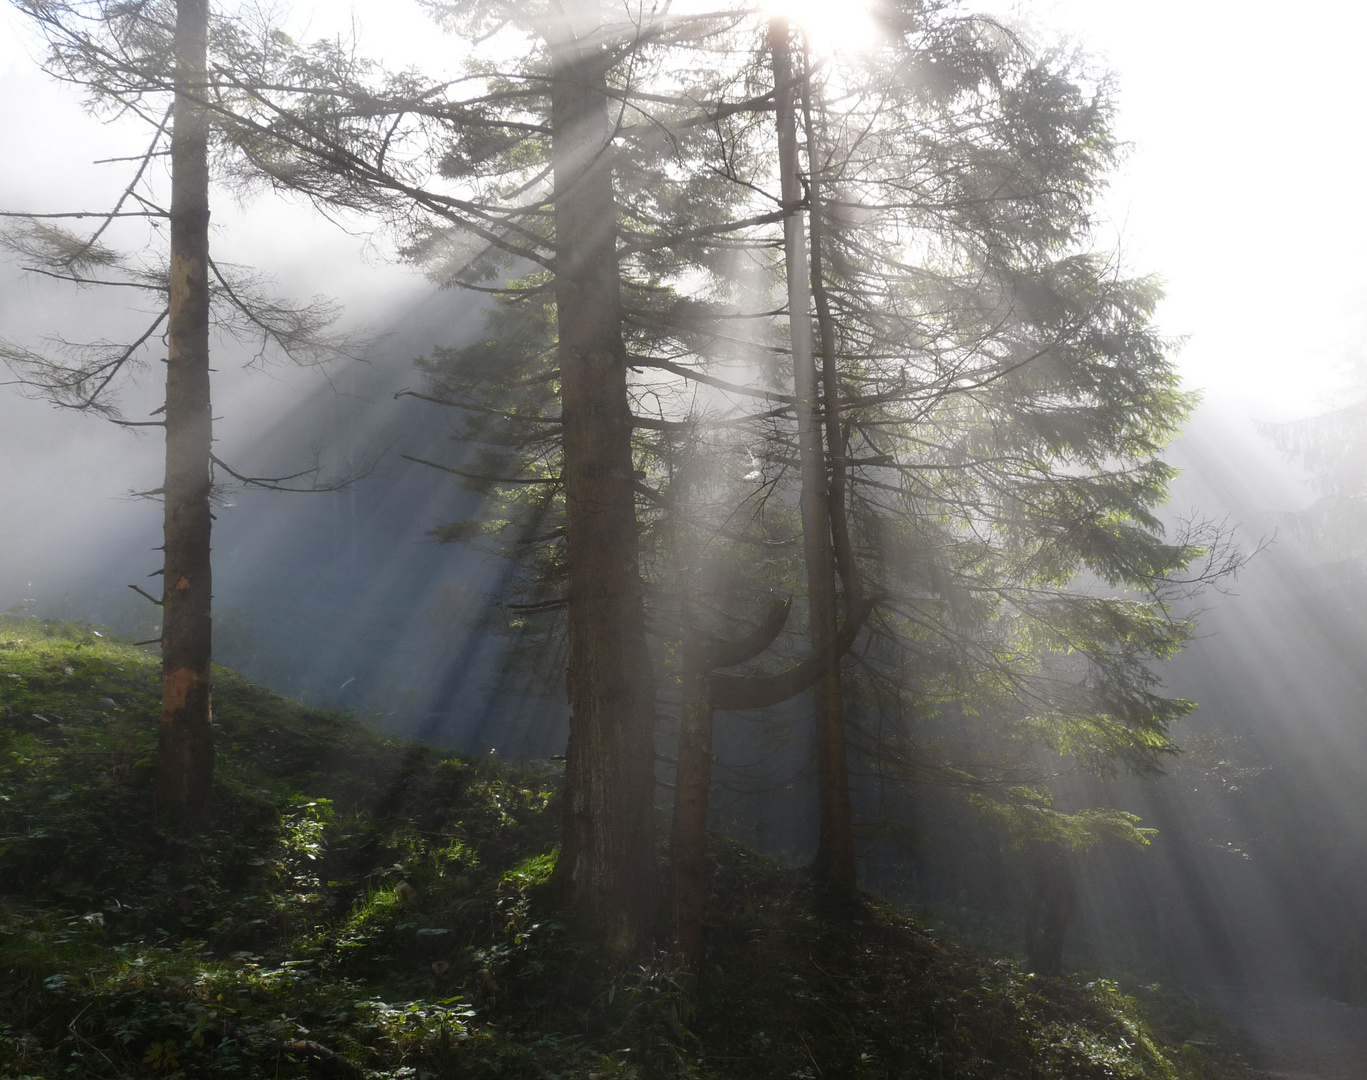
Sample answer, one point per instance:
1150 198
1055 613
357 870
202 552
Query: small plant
162 1055
361 907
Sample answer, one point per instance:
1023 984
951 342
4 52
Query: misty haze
594 539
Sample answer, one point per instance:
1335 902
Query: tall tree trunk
1049 905
608 857
688 842
835 863
704 691
688 838
845 559
185 753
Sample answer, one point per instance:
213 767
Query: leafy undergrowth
366 907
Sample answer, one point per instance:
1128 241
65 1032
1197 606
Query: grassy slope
368 907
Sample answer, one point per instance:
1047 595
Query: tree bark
688 842
608 857
185 752
846 562
1049 907
693 778
725 691
705 691
835 863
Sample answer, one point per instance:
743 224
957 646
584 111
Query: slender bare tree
185 750
127 57
835 858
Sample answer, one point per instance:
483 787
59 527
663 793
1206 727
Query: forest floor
367 908
1300 1036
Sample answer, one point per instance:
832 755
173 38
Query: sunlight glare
830 27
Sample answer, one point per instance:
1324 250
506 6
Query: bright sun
831 26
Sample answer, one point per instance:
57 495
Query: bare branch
143 592
480 477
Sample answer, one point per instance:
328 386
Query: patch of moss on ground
361 906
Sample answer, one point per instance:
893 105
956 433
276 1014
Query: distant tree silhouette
1332 446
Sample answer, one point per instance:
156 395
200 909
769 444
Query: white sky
1241 190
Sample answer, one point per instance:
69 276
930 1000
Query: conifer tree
126 57
835 857
993 394
608 846
525 170
996 396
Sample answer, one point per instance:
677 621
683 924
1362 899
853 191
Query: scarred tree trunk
185 752
608 857
835 862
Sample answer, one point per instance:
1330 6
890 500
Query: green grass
362 906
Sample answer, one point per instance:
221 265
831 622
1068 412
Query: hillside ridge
364 906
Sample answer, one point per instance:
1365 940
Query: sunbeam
1004 594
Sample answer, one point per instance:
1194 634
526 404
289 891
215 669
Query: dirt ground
1302 1037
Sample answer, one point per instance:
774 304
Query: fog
1235 192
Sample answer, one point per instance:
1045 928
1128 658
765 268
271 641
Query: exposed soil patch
1302 1037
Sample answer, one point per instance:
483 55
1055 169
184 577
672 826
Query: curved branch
757 691
716 653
